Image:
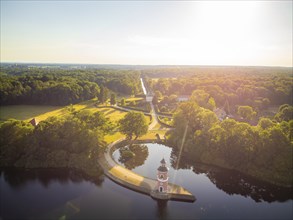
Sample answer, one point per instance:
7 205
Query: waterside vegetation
263 151
71 141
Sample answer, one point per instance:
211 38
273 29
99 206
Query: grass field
40 112
152 134
27 112
133 99
113 114
109 138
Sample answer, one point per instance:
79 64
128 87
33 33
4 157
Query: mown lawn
152 134
25 112
133 99
109 138
113 114
40 112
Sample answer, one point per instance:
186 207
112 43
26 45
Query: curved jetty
138 183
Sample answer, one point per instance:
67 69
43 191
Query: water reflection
43 193
162 209
57 194
18 178
133 156
233 182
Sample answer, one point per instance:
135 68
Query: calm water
63 194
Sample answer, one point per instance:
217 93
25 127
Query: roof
163 161
33 122
162 169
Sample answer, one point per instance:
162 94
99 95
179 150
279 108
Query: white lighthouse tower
162 177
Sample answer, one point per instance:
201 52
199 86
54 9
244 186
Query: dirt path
154 117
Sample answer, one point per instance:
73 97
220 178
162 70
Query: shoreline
256 178
134 181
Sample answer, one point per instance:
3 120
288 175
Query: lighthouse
162 177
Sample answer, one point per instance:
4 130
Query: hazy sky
151 32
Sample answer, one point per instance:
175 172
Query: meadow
40 113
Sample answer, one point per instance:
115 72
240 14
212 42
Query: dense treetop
133 124
256 87
264 151
61 87
56 142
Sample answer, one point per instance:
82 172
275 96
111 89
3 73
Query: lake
67 194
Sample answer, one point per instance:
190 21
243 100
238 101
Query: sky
246 33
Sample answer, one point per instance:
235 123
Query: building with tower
162 177
158 188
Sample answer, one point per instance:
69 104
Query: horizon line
117 64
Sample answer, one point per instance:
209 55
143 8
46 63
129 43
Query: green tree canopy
14 138
122 102
113 99
157 96
285 113
264 150
203 99
265 123
103 95
246 112
200 97
133 124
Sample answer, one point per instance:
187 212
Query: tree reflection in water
162 209
18 178
133 156
233 182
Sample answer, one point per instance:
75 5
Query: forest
45 86
60 141
263 151
228 87
255 134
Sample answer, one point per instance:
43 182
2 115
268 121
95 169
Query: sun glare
223 31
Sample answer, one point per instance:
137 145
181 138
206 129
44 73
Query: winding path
136 182
154 116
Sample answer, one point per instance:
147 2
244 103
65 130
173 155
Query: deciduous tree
246 112
133 124
113 99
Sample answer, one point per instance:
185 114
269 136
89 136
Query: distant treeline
62 87
185 71
257 87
